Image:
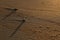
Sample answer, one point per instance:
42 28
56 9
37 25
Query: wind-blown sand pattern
42 20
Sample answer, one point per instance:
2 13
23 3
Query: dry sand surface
42 20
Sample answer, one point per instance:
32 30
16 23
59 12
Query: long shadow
12 11
21 23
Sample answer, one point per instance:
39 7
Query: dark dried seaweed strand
22 22
12 11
